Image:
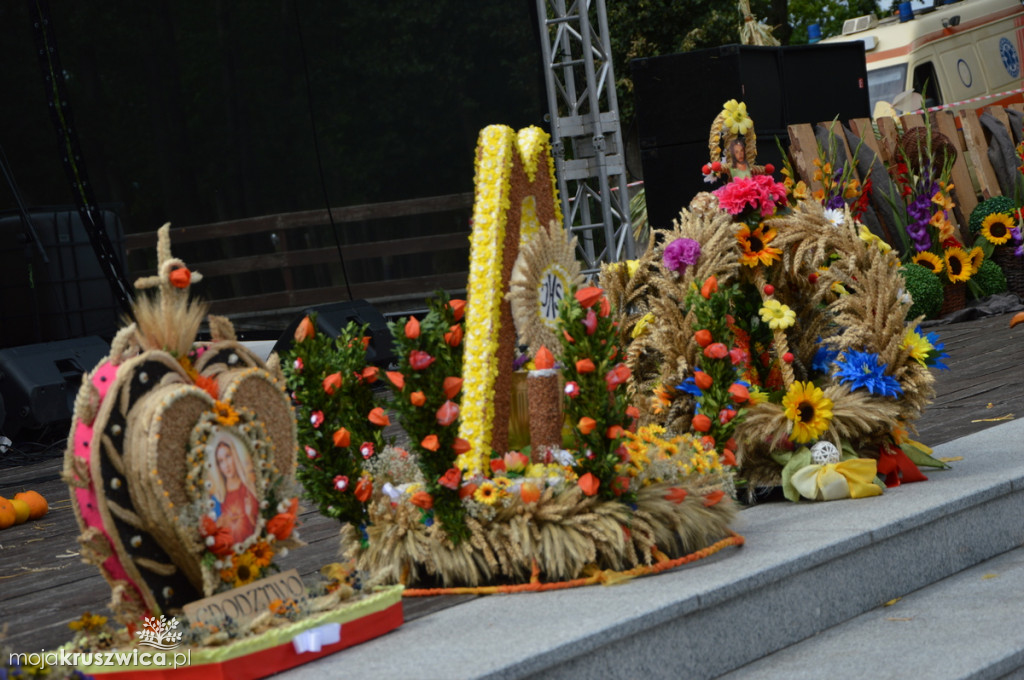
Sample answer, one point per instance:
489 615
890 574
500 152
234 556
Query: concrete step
965 626
805 568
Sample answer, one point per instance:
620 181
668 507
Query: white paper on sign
315 639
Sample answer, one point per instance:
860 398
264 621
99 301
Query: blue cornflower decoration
865 369
690 385
824 357
938 352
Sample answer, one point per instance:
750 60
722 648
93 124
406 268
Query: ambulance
962 54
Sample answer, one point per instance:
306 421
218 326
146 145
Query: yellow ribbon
852 478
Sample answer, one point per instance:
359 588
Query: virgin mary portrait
233 487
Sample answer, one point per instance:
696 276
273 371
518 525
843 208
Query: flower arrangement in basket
996 226
922 204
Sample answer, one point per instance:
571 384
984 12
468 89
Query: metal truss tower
586 136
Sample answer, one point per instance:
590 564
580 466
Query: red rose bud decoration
419 360
725 415
412 328
216 539
616 376
586 425
709 288
180 277
461 446
769 289
585 366
417 398
340 483
447 414
703 380
341 438
458 308
282 524
544 359
454 336
572 389
701 423
316 418
739 393
737 356
396 379
366 448
312 453
703 337
332 383
588 296
590 322
378 417
716 350
364 488
452 385
304 330
430 442
498 465
451 479
589 483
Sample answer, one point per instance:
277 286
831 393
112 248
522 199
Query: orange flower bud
342 438
430 443
544 359
461 446
332 383
588 296
589 483
396 378
703 337
417 398
703 380
458 308
529 493
585 366
454 336
180 277
701 423
451 386
304 330
379 418
422 499
710 286
586 425
412 328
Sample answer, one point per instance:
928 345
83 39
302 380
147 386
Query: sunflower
977 258
226 415
809 409
996 228
928 260
755 246
777 315
958 265
261 553
486 493
245 568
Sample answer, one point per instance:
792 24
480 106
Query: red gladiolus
332 382
544 359
417 398
454 336
422 499
379 418
342 438
585 366
716 350
304 330
589 483
364 488
588 296
703 380
430 443
709 288
419 360
458 308
703 337
412 328
590 322
447 414
451 479
451 386
616 376
701 423
461 446
396 378
180 277
739 393
586 425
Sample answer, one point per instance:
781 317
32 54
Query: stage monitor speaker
672 175
333 317
843 70
67 298
39 383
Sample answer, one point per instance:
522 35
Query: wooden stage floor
44 584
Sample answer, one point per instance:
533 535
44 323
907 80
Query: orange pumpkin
37 505
8 515
21 510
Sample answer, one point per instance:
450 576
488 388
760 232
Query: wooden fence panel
977 151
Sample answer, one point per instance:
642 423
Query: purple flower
681 253
835 203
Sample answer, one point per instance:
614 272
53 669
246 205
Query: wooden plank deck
44 585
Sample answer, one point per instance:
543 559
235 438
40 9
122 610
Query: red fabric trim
274 659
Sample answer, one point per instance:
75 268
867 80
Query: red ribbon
897 467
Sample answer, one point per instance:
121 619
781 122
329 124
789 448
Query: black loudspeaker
678 96
69 297
38 383
331 318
